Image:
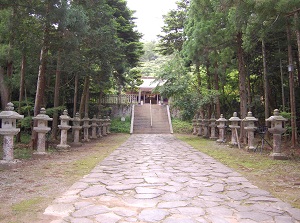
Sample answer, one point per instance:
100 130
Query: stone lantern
99 129
108 125
9 130
205 124
194 126
277 123
234 127
41 129
212 126
250 128
222 125
199 124
64 127
104 126
76 128
86 126
94 127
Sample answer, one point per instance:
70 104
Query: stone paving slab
157 178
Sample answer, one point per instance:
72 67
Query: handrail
132 120
151 118
169 119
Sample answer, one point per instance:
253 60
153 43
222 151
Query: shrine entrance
146 93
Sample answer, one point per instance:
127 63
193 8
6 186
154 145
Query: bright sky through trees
149 15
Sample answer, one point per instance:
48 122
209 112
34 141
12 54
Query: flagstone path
157 178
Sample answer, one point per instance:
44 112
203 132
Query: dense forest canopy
65 54
233 56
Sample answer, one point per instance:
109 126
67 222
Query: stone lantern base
62 146
278 156
10 164
76 144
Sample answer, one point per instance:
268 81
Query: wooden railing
120 99
151 118
132 120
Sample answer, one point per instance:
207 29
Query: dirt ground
28 188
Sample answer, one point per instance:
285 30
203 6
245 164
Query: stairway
142 120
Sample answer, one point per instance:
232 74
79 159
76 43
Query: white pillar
140 96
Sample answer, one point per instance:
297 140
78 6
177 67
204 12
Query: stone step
142 120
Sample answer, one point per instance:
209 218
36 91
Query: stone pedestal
250 128
104 126
76 130
41 129
99 129
64 127
213 126
108 125
205 128
86 126
222 125
194 126
277 129
234 129
94 127
9 130
199 125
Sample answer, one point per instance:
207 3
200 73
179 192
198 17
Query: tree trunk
296 19
266 81
100 105
198 75
75 95
242 76
197 71
84 96
56 96
282 83
9 77
87 99
4 93
242 83
208 73
22 81
292 89
22 86
216 86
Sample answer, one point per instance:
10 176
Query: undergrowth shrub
118 126
180 126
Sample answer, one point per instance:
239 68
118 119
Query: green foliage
133 80
93 38
173 37
22 153
117 126
51 111
181 127
26 123
150 53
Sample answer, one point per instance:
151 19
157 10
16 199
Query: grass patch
117 126
84 166
280 177
180 126
27 205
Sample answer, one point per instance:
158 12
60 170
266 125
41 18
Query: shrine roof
149 83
